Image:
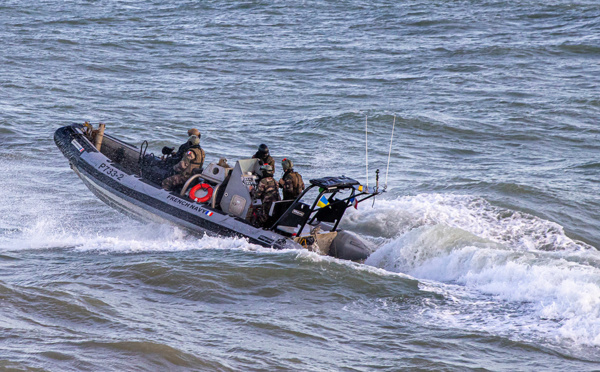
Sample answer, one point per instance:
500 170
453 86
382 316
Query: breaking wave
510 257
520 231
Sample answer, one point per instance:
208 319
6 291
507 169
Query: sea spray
393 217
515 258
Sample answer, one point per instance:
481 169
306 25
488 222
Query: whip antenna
389 155
367 149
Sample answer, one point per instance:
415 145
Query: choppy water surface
487 237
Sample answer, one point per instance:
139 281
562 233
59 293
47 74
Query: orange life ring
205 198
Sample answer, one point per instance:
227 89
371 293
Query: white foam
392 218
516 259
459 246
34 219
128 236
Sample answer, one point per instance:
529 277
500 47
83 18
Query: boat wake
517 274
500 271
70 217
518 230
129 237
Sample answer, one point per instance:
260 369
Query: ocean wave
518 230
511 256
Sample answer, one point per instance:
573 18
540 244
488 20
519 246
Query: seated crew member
178 156
291 182
263 156
267 192
190 164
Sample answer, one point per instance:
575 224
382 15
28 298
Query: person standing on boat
263 156
190 164
291 182
268 192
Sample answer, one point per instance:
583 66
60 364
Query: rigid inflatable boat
221 201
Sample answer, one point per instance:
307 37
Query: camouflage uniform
183 149
268 193
192 162
292 184
265 160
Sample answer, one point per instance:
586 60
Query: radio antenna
389 155
367 149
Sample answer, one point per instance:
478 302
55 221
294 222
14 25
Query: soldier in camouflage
291 182
268 193
190 164
263 156
176 157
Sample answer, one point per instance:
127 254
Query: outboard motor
349 246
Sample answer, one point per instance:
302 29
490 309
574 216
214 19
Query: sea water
486 239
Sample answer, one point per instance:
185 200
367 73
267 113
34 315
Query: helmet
287 164
263 149
194 140
194 132
267 170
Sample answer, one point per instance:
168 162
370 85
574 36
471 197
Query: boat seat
288 229
293 219
279 207
293 230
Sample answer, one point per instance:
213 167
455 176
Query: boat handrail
188 183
